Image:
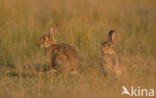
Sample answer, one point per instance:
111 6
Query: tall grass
84 24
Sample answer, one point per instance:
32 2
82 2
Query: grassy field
83 24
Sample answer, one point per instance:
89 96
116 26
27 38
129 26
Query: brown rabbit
62 57
110 64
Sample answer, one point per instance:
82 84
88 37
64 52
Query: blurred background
83 24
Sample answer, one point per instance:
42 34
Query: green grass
83 24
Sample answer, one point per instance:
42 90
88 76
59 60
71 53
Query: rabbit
62 57
110 64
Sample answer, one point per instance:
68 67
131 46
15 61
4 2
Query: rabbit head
48 40
108 46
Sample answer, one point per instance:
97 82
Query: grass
83 24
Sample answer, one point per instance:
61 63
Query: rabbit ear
52 30
112 36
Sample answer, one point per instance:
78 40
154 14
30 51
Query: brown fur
110 64
62 57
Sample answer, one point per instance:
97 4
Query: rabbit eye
108 45
44 39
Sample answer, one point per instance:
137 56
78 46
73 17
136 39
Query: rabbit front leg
52 65
104 69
